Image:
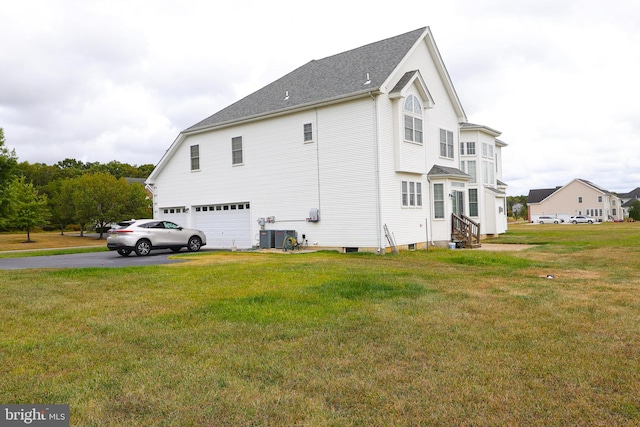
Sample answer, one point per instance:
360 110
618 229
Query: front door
458 202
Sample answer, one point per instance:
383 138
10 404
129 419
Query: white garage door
177 215
225 225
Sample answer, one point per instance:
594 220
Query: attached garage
225 225
175 214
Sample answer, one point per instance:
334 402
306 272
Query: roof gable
354 72
412 78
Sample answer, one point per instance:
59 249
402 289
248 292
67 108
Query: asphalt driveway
93 259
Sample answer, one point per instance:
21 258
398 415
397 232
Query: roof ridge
360 70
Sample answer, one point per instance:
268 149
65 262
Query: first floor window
236 150
195 157
411 193
308 132
473 202
405 193
438 200
446 143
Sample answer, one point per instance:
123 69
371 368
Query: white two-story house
359 151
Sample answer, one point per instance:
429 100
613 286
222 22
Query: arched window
412 119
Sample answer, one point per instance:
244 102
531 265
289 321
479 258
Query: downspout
318 157
381 249
429 218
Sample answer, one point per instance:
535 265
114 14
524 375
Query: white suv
143 235
581 219
549 220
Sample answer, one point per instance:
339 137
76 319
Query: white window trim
233 163
413 115
411 194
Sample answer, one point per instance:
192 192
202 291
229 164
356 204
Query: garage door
225 225
177 215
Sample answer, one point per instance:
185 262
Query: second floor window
195 157
469 167
446 143
236 150
308 132
412 119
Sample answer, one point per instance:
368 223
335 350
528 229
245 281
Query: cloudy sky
119 79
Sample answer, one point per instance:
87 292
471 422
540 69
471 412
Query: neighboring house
579 197
358 151
628 198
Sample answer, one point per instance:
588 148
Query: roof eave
283 111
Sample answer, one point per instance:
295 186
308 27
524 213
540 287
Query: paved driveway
93 259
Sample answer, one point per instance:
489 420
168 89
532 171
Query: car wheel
124 252
590 222
175 249
143 247
194 244
541 222
555 222
574 222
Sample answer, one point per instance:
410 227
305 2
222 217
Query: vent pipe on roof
367 79
286 95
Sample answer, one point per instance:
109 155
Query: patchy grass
48 240
437 337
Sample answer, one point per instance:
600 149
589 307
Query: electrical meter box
314 215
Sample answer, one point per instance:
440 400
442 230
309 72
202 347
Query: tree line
40 196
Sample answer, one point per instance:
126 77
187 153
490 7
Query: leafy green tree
138 204
634 210
517 206
39 174
70 168
61 202
8 162
101 199
28 209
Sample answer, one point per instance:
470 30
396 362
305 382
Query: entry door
458 202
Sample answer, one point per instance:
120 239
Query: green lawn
439 337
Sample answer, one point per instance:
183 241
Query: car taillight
124 231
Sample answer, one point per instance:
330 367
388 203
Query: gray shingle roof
633 194
538 195
438 170
334 77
